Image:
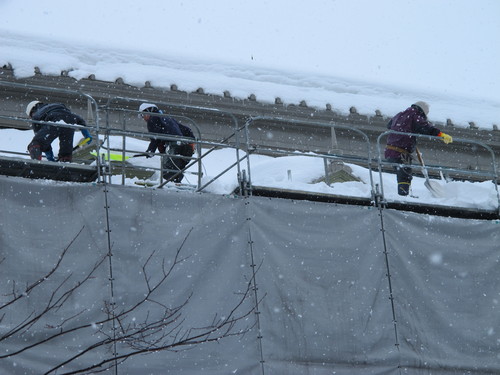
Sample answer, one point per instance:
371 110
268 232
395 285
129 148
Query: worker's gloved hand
446 138
86 135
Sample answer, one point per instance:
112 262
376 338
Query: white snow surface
374 55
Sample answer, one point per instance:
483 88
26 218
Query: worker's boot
35 151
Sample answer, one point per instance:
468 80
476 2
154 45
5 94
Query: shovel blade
112 157
435 188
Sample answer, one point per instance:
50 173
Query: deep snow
373 55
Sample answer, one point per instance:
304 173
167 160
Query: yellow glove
446 138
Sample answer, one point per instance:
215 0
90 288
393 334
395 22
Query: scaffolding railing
333 156
120 166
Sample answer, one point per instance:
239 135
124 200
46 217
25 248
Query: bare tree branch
29 288
219 329
162 328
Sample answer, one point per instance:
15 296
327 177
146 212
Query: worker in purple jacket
400 146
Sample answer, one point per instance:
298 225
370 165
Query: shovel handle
419 156
81 143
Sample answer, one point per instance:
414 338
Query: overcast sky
386 41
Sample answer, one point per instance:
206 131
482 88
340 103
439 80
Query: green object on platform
115 157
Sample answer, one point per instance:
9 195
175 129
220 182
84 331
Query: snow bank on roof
382 55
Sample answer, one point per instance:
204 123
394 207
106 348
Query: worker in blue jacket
45 134
167 125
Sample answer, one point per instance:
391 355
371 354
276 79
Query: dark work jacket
55 112
162 125
411 120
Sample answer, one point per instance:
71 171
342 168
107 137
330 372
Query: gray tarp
321 271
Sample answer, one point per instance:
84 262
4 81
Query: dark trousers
172 165
403 173
46 135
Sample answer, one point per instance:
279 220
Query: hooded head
423 106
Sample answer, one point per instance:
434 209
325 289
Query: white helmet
145 106
30 106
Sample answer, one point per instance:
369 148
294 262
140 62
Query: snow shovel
112 156
434 187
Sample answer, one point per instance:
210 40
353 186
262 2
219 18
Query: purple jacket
411 120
